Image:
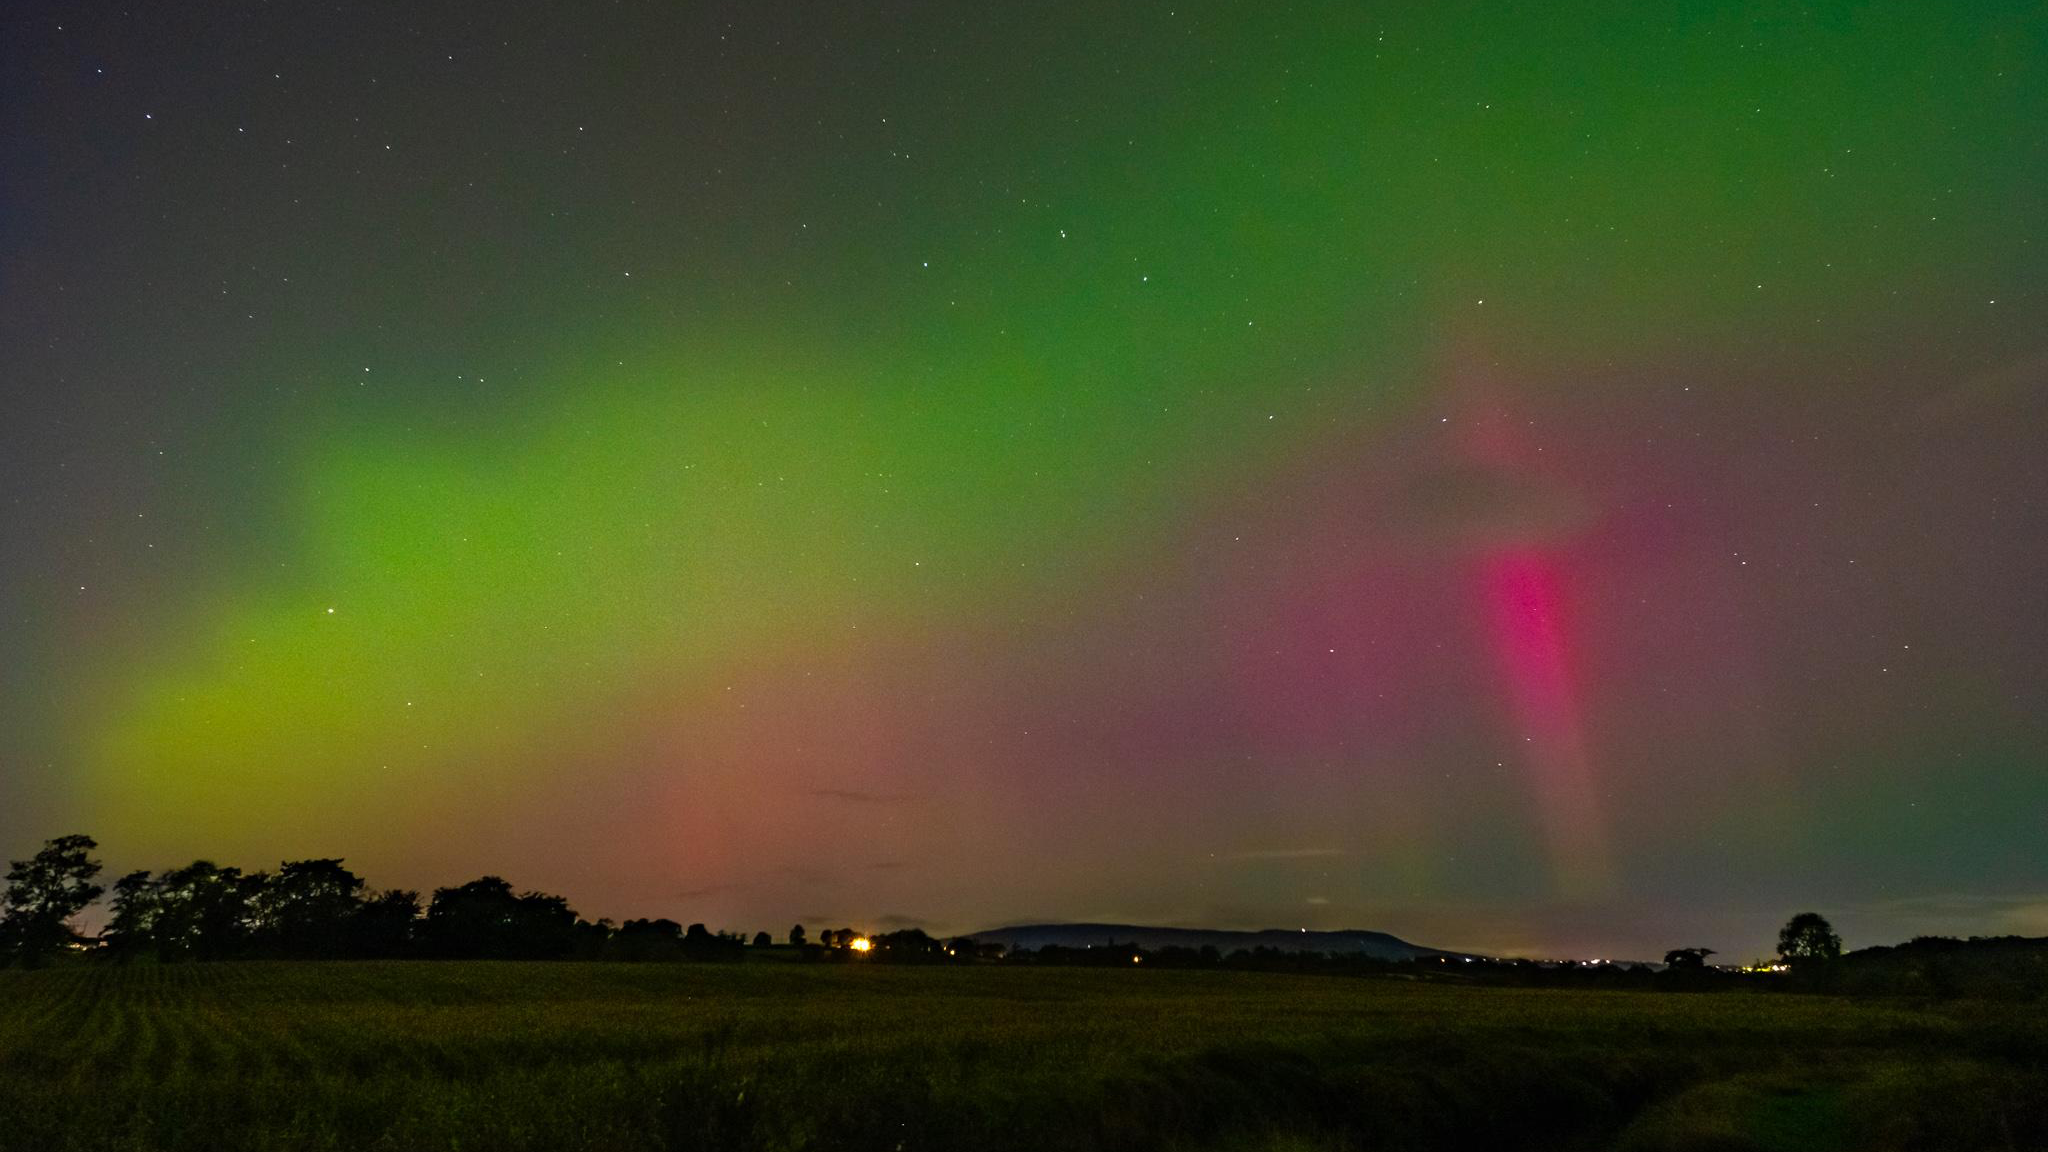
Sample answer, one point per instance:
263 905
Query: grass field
492 1056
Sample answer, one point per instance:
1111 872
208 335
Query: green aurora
785 466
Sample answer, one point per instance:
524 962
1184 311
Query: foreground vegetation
511 1055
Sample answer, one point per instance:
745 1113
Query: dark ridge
1348 942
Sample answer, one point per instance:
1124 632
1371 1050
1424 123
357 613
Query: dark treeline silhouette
1809 959
1807 954
313 910
307 909
1943 967
319 909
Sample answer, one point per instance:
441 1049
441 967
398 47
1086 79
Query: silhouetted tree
796 936
131 929
648 940
1807 939
908 945
763 940
546 926
204 911
484 920
43 893
700 943
662 929
590 941
386 923
309 908
477 919
1694 958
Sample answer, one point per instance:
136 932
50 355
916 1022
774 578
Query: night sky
1558 479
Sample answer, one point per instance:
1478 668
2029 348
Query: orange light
861 944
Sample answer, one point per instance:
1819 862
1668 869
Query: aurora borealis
1569 483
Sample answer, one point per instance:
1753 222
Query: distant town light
861 944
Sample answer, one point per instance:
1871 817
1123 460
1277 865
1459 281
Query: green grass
493 1056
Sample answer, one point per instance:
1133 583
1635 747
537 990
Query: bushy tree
648 940
309 909
472 920
1808 939
484 920
386 923
1682 958
131 929
908 945
204 911
44 892
796 935
700 943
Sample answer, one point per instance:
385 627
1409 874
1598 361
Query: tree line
319 909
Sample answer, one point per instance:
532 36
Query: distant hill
1350 942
